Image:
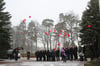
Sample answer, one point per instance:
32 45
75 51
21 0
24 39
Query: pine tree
90 17
4 30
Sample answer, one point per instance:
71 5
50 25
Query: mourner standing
28 55
71 53
75 52
15 53
63 54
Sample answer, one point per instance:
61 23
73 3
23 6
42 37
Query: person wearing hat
28 55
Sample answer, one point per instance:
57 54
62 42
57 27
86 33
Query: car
10 54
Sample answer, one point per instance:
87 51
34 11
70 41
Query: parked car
10 54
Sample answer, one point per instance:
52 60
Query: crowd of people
55 54
68 53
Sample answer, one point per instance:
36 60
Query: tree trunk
50 41
36 44
36 38
31 45
44 47
47 45
98 39
64 42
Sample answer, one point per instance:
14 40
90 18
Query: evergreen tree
90 17
4 30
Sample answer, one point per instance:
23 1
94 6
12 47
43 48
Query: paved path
43 63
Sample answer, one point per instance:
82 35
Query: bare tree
48 24
70 20
67 24
33 32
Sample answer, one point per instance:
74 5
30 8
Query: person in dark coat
15 53
40 55
48 54
37 55
66 51
81 54
44 55
57 54
28 55
75 52
71 53
53 55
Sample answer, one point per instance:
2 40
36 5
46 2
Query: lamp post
99 29
99 6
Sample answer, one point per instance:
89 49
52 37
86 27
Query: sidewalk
5 61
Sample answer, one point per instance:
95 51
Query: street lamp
99 6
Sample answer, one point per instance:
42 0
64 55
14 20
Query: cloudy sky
41 9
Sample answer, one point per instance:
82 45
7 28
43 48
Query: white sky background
41 9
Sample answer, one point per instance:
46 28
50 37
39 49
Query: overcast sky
41 9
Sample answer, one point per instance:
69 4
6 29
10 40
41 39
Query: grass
93 63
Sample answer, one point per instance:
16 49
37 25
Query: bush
88 52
